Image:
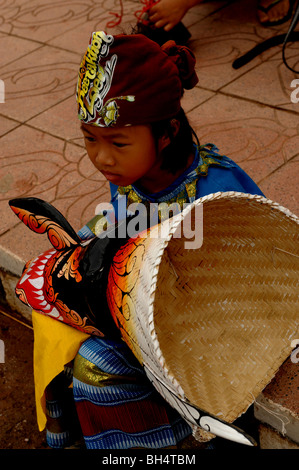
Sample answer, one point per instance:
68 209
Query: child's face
123 155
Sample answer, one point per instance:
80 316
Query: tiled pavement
247 113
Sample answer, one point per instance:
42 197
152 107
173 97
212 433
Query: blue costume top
208 173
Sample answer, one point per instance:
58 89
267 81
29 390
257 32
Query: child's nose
104 157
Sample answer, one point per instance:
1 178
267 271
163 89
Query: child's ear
165 140
175 126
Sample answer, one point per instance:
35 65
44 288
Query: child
137 135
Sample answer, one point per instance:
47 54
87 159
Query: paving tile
19 245
269 82
78 206
6 125
9 10
42 21
202 11
105 15
195 97
282 186
12 48
102 15
61 120
217 42
260 139
245 11
33 163
37 81
77 38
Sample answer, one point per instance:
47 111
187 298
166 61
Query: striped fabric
58 440
117 405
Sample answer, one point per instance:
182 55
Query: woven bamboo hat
211 324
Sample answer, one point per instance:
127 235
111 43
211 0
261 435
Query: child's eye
119 144
89 139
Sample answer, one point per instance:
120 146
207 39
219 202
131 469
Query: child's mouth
109 176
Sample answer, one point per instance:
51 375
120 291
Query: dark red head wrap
129 79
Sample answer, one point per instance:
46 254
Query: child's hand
167 13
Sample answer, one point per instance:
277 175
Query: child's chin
117 179
121 181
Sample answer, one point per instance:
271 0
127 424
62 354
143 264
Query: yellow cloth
55 344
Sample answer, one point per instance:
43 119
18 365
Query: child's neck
159 179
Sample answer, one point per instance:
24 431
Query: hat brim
216 322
